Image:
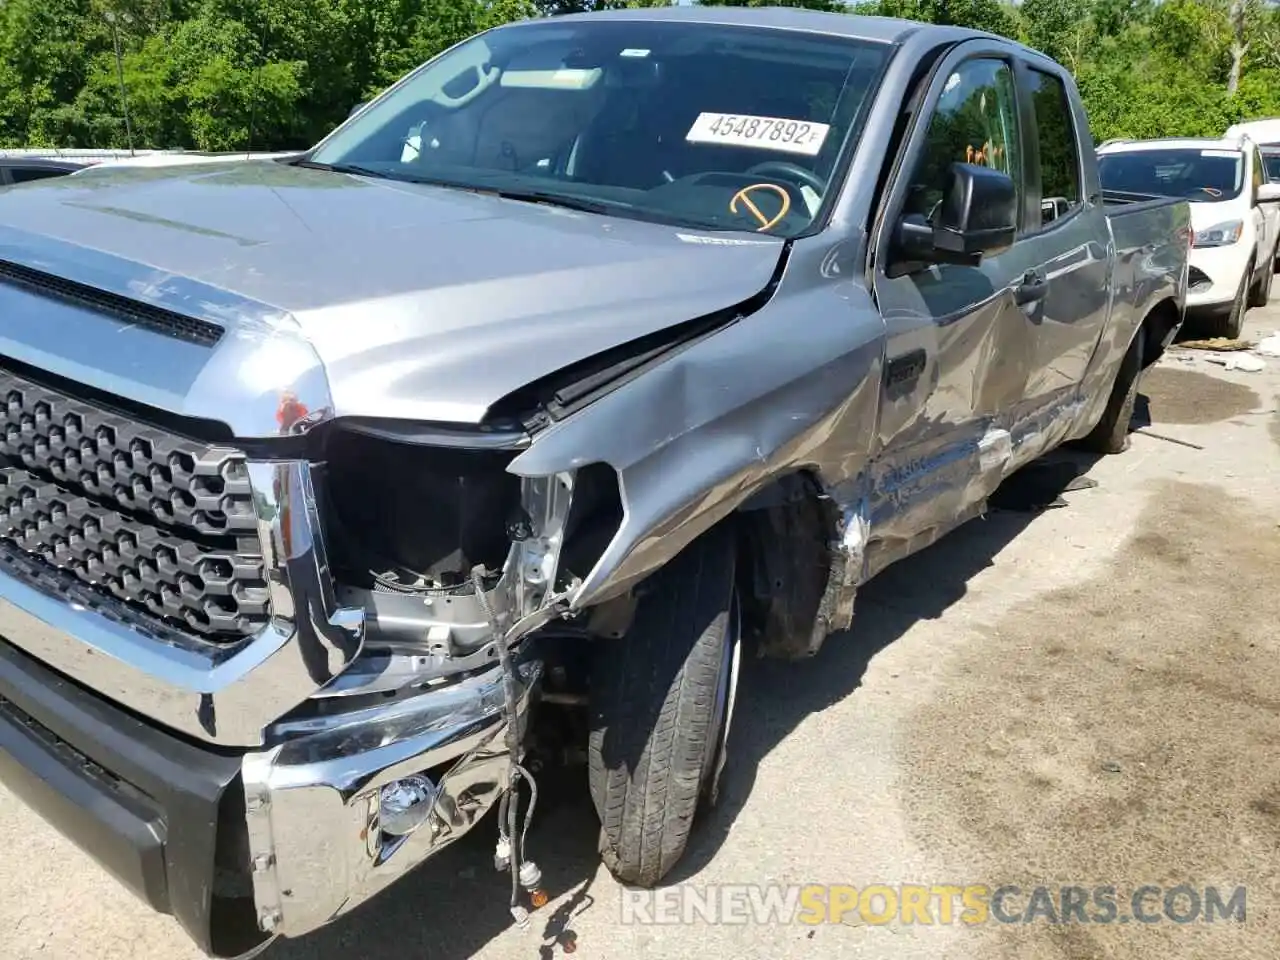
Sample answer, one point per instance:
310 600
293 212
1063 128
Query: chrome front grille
159 523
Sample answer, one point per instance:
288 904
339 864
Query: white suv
1235 212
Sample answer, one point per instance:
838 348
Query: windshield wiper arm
352 168
555 199
524 196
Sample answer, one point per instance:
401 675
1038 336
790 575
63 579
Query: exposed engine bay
412 530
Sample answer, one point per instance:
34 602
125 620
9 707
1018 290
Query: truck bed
1152 236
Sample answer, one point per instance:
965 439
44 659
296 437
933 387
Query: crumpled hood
420 302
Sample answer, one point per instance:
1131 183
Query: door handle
1031 288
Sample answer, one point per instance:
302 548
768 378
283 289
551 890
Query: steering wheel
789 171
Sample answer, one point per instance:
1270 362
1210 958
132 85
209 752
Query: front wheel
1260 292
660 705
1230 324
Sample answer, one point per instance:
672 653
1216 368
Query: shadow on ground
457 904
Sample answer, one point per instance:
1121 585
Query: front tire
1260 292
660 701
1230 324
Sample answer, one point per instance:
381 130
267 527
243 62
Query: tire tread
654 700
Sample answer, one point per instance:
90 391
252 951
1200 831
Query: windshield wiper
555 199
352 168
524 196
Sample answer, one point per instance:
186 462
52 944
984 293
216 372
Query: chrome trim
312 802
222 695
263 379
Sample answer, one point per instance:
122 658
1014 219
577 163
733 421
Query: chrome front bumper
312 803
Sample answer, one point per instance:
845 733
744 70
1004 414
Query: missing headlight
409 518
405 523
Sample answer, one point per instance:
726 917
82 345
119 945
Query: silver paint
312 801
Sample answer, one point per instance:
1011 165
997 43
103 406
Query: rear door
1068 245
956 354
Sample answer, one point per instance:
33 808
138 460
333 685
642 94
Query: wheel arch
1158 328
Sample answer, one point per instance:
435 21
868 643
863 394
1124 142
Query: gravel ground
1084 696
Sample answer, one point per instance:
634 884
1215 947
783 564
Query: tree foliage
272 74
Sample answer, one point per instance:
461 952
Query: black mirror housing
978 213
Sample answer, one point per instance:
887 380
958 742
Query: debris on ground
1244 362
1039 486
1161 436
1216 344
1268 346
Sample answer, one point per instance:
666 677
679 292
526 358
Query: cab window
1056 138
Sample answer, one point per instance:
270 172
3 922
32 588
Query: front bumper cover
312 803
1216 275
238 846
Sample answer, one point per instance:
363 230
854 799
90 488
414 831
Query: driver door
957 350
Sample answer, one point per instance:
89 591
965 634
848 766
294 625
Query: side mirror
1269 193
357 108
978 215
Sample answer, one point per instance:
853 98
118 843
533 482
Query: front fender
791 386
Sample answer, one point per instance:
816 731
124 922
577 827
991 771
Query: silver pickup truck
593 349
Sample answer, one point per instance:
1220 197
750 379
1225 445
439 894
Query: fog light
405 804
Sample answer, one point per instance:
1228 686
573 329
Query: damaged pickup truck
591 351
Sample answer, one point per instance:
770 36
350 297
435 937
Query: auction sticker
767 133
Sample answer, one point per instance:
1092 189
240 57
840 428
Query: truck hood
412 301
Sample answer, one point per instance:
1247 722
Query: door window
1059 153
974 121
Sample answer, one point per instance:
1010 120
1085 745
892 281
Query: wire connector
502 855
530 875
521 917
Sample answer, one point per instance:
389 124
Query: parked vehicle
1271 161
14 170
675 327
178 158
1264 132
1235 211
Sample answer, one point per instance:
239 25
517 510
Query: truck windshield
1202 175
706 126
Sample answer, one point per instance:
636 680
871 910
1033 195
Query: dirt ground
1084 695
